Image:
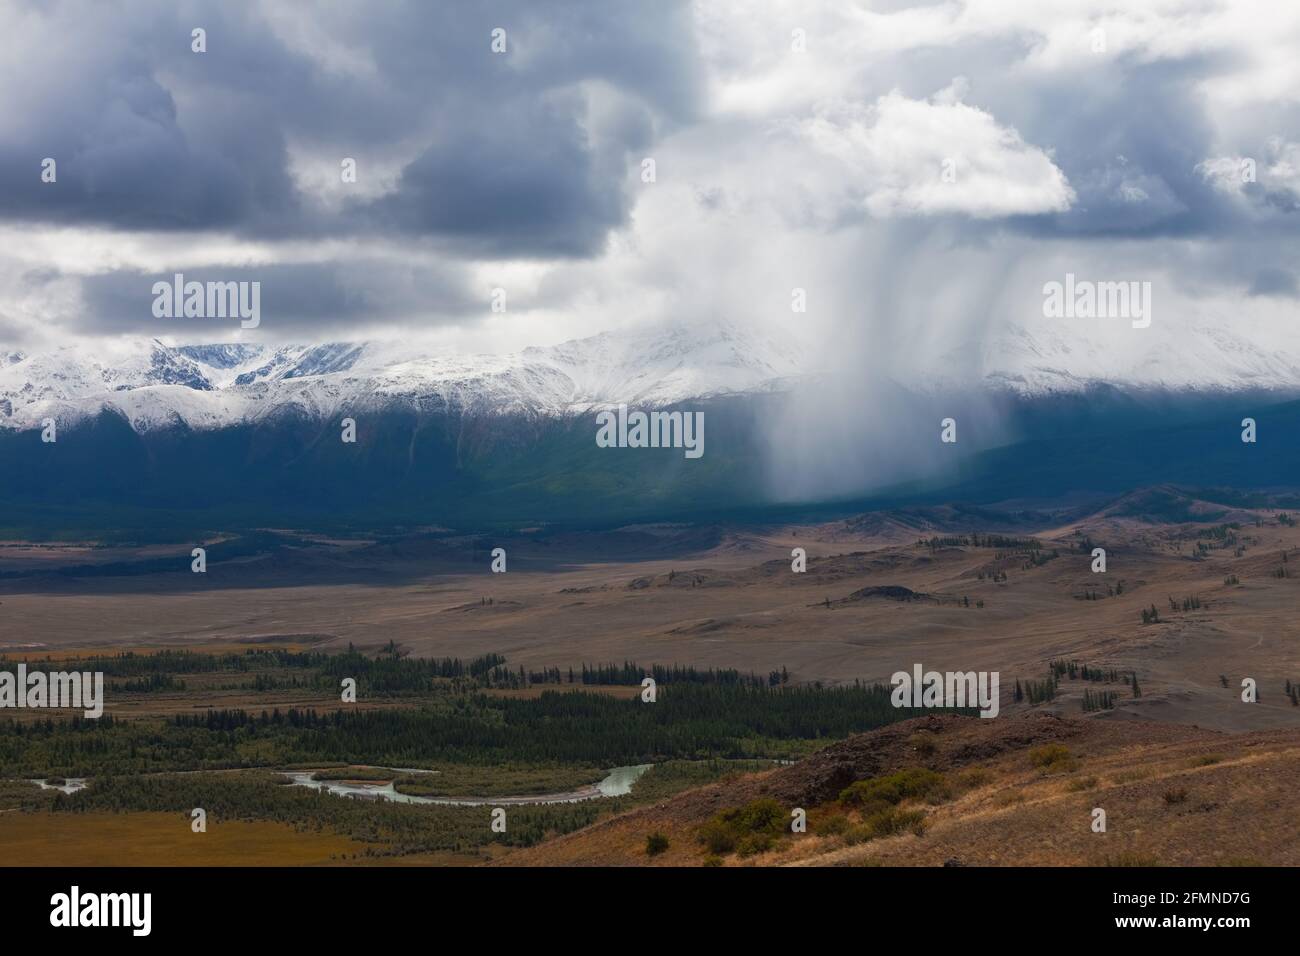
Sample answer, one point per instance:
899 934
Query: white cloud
1276 172
1283 170
1225 173
822 169
941 156
1252 43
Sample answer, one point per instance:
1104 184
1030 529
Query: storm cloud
492 151
920 169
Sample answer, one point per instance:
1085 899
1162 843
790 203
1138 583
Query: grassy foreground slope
965 791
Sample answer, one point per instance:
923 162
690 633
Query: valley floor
1121 691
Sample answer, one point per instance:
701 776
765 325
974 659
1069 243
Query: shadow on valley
438 468
268 559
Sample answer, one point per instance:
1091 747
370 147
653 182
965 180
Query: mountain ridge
153 385
203 386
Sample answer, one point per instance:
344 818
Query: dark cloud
150 135
1129 139
1278 282
525 181
344 299
535 154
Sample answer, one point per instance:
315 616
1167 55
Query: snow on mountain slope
1065 355
658 366
207 386
75 374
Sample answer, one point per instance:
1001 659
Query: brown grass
161 839
1241 807
753 614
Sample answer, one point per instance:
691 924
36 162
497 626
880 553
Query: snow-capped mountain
1186 356
248 435
206 386
154 385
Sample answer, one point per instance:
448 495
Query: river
618 782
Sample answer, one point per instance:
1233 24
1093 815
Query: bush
717 836
922 743
972 778
655 844
1178 795
755 843
758 816
893 820
859 833
753 828
831 825
1053 758
914 783
887 822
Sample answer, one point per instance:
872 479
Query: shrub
893 820
1177 795
973 778
755 843
717 836
859 833
833 824
758 816
1053 758
914 783
889 821
753 828
655 844
922 743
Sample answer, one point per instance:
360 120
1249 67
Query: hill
1005 792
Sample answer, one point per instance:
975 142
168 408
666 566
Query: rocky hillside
955 791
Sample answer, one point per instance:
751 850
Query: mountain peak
214 384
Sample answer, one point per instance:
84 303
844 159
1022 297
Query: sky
919 170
